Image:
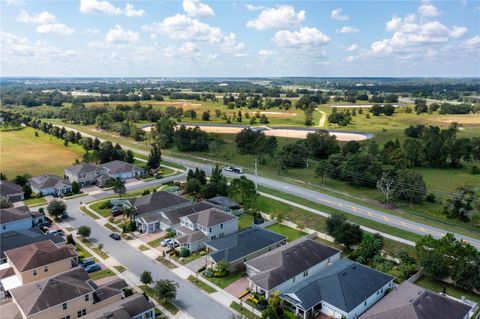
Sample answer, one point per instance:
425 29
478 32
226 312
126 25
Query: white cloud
187 50
337 14
119 35
196 9
252 7
472 43
428 10
131 12
91 31
353 47
302 38
14 2
412 38
41 18
283 16
55 28
98 6
181 27
351 58
265 53
348 29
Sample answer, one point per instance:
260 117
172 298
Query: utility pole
256 175
306 175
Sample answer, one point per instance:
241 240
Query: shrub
128 292
184 252
203 253
430 198
201 269
208 273
106 204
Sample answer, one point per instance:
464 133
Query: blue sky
240 38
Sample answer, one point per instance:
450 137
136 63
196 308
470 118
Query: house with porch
243 246
344 289
409 301
11 191
122 170
18 218
50 185
204 226
288 265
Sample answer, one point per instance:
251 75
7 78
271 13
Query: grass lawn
245 221
111 227
286 231
35 201
223 282
104 212
167 305
200 284
120 268
166 262
156 242
46 154
93 247
243 311
189 259
101 274
437 286
143 248
82 253
88 213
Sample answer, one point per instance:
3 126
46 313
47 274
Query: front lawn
200 284
243 311
101 274
120 268
290 233
35 201
166 262
89 213
93 247
223 282
189 259
167 305
104 212
143 248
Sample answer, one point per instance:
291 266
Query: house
243 246
227 204
19 238
11 191
84 174
409 301
199 228
37 261
288 265
135 307
149 209
345 289
122 170
18 218
70 294
50 185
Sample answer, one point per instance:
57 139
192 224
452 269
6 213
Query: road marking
403 224
385 218
369 213
354 209
423 229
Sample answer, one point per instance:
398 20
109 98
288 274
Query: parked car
64 215
56 232
236 170
92 268
87 262
166 242
115 236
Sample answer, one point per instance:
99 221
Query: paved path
327 200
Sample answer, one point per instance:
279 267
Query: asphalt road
189 298
327 200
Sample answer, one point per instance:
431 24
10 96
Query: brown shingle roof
39 254
8 215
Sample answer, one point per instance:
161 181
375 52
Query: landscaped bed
200 284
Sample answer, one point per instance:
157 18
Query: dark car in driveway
115 236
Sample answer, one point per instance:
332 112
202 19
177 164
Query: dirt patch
467 119
279 114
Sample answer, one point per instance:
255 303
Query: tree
223 267
75 187
410 186
146 277
56 208
206 116
129 156
21 179
243 191
27 191
119 187
155 157
184 252
255 142
368 248
276 308
164 132
432 256
84 231
344 232
293 155
321 144
386 186
165 290
217 185
461 205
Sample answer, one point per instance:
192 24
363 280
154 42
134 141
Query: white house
288 265
344 289
199 228
50 185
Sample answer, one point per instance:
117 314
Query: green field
21 152
286 231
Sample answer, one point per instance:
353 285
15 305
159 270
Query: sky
192 38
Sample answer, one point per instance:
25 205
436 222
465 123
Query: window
45 268
34 272
365 303
221 226
87 297
210 230
64 306
4 226
305 273
66 317
81 313
293 279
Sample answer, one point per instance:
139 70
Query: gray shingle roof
118 167
210 217
345 285
409 301
192 237
47 181
224 201
157 201
243 243
13 239
8 188
123 309
82 168
281 264
8 215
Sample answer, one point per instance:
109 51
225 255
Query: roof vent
411 300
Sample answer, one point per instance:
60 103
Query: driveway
238 287
197 263
189 298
